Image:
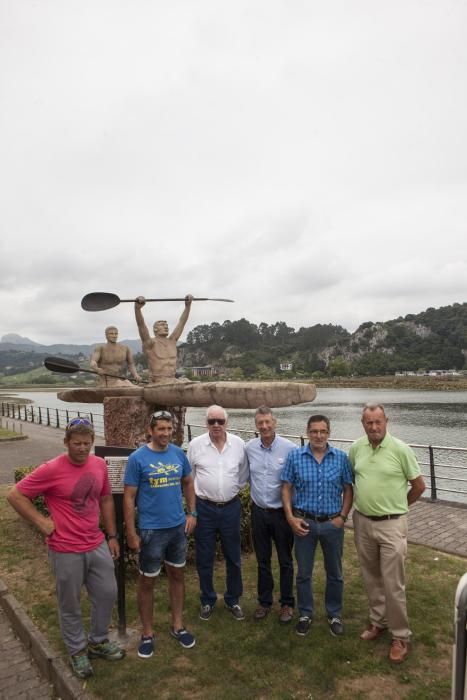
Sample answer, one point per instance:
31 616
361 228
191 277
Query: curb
14 439
50 663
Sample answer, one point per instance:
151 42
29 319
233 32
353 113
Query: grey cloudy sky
305 158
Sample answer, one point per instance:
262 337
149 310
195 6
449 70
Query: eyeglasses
79 421
164 415
213 421
318 432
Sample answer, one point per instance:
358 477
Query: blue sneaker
183 637
146 647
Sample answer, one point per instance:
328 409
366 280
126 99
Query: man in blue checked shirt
317 495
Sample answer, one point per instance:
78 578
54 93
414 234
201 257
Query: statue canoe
199 394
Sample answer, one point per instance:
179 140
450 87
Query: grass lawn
264 659
10 435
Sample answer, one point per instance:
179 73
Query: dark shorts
168 545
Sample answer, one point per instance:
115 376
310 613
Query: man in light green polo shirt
383 467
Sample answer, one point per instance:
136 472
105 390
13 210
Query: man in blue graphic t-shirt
155 476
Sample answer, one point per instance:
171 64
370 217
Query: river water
436 418
417 417
423 417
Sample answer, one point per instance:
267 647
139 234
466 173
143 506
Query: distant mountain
12 341
15 339
19 355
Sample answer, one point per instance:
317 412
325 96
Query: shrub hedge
39 502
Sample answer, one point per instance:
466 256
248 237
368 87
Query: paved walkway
438 525
20 678
42 444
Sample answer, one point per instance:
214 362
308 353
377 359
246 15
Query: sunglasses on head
160 415
213 421
79 421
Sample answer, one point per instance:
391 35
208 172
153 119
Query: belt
218 504
268 510
392 516
313 516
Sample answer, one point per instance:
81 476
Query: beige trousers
382 548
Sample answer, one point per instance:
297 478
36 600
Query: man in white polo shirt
220 471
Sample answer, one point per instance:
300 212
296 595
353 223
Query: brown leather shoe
372 633
261 612
286 614
399 651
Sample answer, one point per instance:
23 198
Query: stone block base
126 421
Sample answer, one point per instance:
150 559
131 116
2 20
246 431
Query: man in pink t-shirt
77 493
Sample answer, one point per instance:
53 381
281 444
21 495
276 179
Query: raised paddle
100 301
59 364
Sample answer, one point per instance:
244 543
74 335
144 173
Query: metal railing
444 468
53 417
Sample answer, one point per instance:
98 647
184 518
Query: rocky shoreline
392 382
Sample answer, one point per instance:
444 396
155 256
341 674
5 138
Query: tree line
433 339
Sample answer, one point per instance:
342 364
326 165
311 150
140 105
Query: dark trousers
268 527
224 520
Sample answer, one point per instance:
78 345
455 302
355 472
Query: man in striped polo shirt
317 496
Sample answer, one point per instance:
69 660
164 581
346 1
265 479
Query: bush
39 502
21 472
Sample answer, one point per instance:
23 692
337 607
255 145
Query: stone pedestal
126 421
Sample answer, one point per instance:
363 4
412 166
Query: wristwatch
344 517
111 537
194 513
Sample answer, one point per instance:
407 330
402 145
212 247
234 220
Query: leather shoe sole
286 614
372 633
399 651
261 612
